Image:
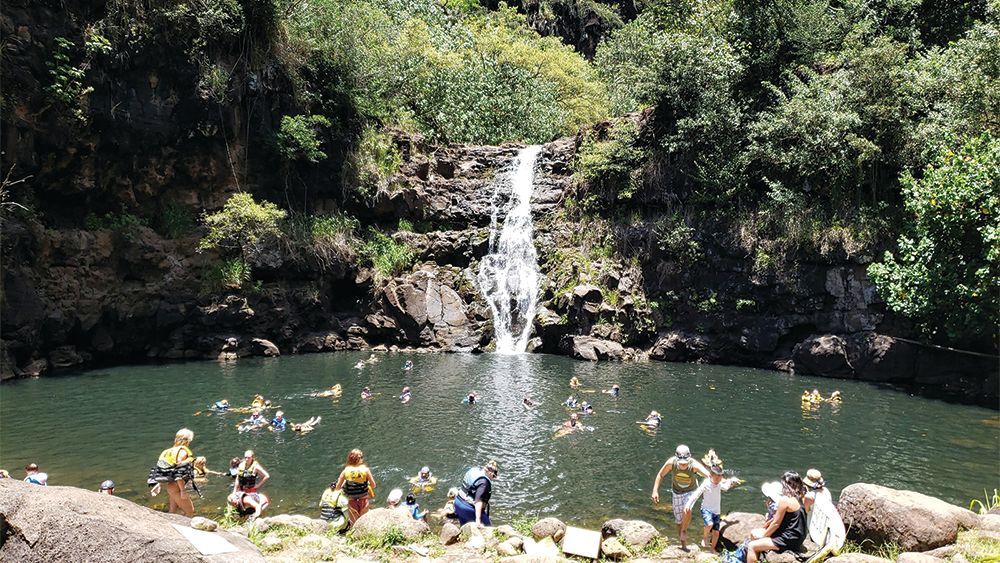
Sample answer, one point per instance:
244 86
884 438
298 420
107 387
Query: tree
243 225
946 273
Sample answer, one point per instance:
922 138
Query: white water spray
508 274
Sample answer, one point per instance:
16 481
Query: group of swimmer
815 398
257 420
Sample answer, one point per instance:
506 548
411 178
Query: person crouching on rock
249 504
358 484
473 501
333 508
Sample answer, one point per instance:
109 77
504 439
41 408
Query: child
711 505
333 507
411 504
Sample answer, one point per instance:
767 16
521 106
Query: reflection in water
753 419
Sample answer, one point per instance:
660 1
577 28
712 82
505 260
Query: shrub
946 271
388 257
297 138
370 166
612 167
123 224
327 239
229 274
175 221
242 225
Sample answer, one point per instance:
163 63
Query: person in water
835 398
358 484
574 382
279 422
404 396
333 508
201 470
257 402
221 406
174 468
816 490
366 394
107 487
307 426
528 403
471 398
473 501
786 530
234 467
423 479
414 508
711 505
256 420
615 390
35 477
683 481
586 408
250 475
570 402
653 419
573 423
408 365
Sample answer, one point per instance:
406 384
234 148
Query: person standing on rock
473 501
173 469
683 483
358 484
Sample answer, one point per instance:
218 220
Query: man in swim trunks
683 483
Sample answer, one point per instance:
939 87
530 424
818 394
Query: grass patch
175 221
370 166
523 524
656 546
282 532
378 542
123 224
888 551
324 239
388 257
978 548
228 274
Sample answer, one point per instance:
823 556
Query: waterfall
508 274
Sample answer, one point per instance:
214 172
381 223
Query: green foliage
746 305
676 239
523 524
324 240
371 164
455 75
987 503
946 272
387 257
124 224
297 138
175 221
405 225
243 225
888 551
229 274
380 542
67 90
612 168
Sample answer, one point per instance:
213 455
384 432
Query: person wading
683 471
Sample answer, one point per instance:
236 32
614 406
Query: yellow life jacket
247 476
356 481
168 457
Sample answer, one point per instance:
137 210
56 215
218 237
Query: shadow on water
112 423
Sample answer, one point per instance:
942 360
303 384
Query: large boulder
824 355
590 348
70 524
736 527
378 521
262 347
633 533
913 521
548 528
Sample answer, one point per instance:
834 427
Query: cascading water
508 274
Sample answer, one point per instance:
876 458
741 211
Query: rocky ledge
68 524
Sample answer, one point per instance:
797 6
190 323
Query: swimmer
586 408
816 396
408 365
234 467
257 402
307 426
615 390
278 422
835 398
573 422
404 397
372 359
528 403
653 420
334 391
366 394
221 406
574 382
471 398
423 480
255 421
360 364
570 402
201 471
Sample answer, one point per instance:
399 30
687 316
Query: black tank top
793 528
